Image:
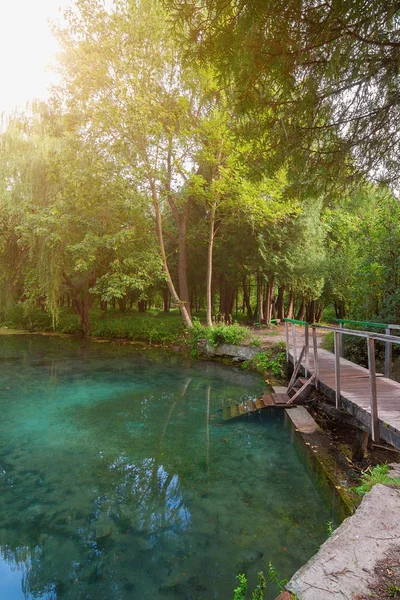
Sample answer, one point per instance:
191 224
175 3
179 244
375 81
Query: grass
150 327
378 474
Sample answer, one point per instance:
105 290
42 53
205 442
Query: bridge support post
388 355
294 343
307 347
337 367
373 392
315 348
287 340
341 325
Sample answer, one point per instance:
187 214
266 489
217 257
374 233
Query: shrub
268 362
227 334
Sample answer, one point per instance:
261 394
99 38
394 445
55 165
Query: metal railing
339 332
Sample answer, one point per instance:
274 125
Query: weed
329 528
274 578
266 362
378 474
257 594
241 591
393 591
227 334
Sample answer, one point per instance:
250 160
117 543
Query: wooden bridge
369 399
372 398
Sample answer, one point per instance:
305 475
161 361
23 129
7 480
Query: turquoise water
119 479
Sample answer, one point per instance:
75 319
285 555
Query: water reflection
121 483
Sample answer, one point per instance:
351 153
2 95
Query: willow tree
124 81
82 227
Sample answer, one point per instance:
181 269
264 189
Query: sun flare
27 49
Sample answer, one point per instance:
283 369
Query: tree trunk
182 258
210 265
310 312
260 299
290 310
85 305
122 304
273 307
166 299
182 307
246 298
181 219
142 305
280 306
302 310
318 312
226 298
81 299
269 304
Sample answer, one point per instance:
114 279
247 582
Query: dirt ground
276 333
386 585
343 436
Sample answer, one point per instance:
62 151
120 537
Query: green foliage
141 327
241 591
378 474
267 362
219 334
393 590
257 594
344 107
227 334
328 341
329 528
274 578
86 177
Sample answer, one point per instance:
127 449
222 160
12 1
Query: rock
345 563
284 596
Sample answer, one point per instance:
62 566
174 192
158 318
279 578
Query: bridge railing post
287 341
373 391
294 345
337 367
341 325
315 349
307 346
388 354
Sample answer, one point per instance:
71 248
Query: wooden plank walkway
355 392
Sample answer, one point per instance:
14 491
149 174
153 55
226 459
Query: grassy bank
150 327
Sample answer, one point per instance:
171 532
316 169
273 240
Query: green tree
323 77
